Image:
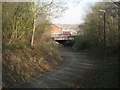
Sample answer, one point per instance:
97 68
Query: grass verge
105 74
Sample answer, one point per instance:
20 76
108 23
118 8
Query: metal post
104 34
99 31
104 31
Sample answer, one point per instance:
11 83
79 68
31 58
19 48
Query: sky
77 9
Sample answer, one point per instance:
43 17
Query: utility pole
104 31
99 30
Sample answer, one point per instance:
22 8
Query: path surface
67 76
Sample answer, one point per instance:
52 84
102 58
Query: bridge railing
62 37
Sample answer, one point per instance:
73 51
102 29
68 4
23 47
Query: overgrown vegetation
100 38
93 28
81 43
27 50
95 35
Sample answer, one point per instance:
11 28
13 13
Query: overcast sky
77 9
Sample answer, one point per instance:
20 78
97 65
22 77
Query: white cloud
76 11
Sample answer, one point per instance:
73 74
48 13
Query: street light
104 30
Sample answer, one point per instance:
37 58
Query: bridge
65 38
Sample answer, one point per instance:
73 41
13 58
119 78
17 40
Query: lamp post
104 31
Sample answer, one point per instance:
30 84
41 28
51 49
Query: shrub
14 46
81 43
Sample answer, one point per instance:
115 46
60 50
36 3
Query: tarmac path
67 76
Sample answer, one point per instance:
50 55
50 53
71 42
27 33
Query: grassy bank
24 63
105 74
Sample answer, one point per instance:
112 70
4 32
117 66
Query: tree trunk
33 33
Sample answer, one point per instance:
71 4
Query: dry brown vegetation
20 65
27 49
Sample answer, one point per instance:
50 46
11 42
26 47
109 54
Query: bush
81 43
15 46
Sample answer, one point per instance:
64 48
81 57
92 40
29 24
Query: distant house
55 31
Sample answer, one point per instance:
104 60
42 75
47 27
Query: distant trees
93 27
